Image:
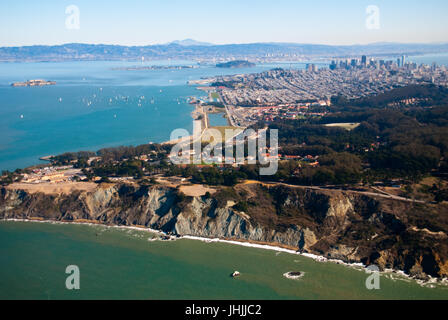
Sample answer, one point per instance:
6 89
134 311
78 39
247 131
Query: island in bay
34 83
236 64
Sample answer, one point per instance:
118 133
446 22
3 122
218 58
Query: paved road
230 117
381 195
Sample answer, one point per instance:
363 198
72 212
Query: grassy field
222 131
215 96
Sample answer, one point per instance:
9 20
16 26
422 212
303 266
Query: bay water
95 104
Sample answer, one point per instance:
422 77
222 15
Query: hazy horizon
141 23
225 44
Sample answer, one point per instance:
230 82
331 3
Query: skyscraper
333 65
364 61
403 61
311 67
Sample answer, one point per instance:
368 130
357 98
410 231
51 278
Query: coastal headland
329 223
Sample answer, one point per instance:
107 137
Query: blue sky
142 22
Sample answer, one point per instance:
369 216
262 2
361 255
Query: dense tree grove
80 158
403 141
426 96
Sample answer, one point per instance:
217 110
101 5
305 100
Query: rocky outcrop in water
334 224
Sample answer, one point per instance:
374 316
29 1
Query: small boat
235 274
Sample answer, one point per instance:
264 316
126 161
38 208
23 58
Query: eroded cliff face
346 226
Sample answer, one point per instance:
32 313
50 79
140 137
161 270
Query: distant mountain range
190 42
191 49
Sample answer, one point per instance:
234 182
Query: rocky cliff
341 225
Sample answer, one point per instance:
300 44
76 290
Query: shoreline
249 244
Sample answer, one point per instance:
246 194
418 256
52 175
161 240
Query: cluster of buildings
353 79
53 175
365 62
247 116
312 161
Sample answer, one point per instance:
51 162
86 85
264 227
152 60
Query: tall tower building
333 65
364 61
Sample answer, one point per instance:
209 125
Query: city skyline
155 22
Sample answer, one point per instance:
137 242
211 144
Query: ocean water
123 264
94 105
